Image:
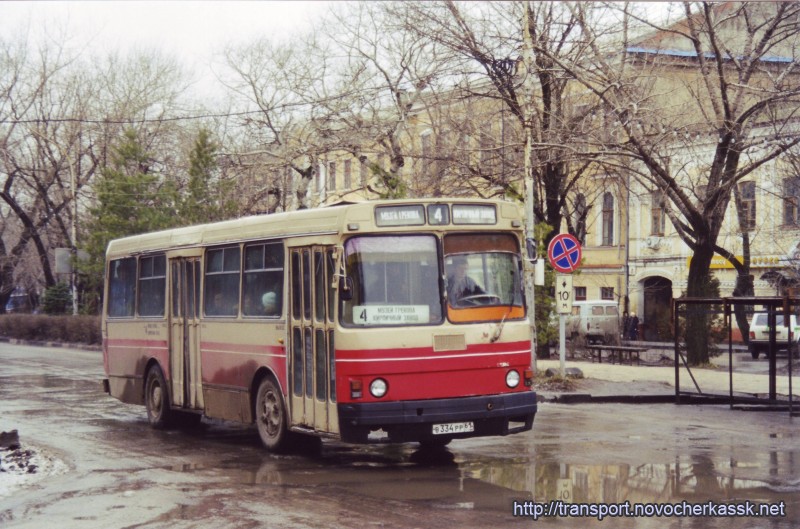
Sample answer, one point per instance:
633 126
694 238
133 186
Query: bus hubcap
271 415
156 397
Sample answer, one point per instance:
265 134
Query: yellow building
461 146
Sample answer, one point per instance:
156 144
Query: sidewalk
621 379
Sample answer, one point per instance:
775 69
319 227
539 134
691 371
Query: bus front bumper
408 421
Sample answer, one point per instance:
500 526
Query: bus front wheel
156 399
270 415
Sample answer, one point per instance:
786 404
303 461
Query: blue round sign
564 253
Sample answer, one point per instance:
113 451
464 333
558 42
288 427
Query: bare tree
689 105
34 164
385 76
504 57
58 111
283 82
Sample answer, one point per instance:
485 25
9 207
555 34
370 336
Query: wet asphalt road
123 474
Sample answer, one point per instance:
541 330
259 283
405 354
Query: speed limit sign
563 294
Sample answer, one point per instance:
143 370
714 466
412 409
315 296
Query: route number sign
564 253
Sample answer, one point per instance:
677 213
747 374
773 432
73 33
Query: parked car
20 301
594 321
759 335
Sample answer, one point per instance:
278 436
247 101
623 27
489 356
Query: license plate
453 427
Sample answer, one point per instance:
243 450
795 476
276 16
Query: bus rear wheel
156 399
270 415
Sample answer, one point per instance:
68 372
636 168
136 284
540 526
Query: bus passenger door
184 340
312 363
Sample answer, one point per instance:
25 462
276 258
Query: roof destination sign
474 214
413 215
438 215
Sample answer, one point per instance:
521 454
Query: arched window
608 219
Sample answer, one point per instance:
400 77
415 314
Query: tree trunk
697 319
744 281
744 288
6 278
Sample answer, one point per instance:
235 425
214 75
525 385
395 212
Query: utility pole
73 237
530 224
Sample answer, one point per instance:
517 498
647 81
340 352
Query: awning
782 278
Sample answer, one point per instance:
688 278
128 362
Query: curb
45 343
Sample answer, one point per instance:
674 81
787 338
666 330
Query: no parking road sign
564 253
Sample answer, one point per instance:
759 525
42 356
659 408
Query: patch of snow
24 466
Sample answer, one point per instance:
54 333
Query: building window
332 176
348 182
320 177
608 219
747 215
657 214
607 293
580 293
580 217
364 171
486 148
427 154
791 201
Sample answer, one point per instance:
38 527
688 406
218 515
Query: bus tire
156 399
270 415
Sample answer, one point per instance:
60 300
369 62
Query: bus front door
312 369
184 340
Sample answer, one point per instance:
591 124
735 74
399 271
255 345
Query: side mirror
345 288
530 246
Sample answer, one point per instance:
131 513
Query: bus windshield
483 278
394 281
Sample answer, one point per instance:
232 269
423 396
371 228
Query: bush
57 299
69 329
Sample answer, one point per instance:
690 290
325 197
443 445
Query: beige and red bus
384 321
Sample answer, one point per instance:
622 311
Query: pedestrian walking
633 331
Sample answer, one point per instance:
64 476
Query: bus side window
262 288
122 285
221 295
152 285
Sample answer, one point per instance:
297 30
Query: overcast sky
193 31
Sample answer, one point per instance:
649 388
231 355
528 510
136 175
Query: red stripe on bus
235 365
133 342
243 348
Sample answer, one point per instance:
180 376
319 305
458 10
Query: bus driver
459 284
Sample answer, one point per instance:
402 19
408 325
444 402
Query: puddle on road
453 479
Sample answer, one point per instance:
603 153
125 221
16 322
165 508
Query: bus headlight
378 388
512 379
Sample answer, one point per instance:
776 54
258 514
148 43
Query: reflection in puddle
697 478
444 480
471 478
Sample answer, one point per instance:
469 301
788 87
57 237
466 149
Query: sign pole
562 348
564 253
563 307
